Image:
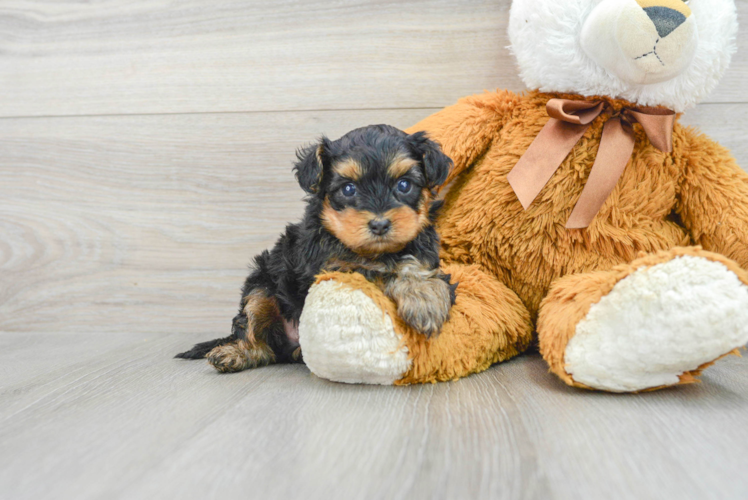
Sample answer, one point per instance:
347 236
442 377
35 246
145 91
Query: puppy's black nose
380 227
665 19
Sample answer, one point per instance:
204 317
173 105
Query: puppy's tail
202 349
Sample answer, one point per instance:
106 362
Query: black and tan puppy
370 210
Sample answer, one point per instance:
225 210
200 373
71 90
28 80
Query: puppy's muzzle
380 227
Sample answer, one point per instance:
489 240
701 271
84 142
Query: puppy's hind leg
259 337
201 350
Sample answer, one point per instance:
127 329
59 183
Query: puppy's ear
436 164
311 165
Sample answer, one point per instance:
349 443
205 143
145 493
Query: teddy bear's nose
665 19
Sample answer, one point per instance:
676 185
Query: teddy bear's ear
310 166
436 164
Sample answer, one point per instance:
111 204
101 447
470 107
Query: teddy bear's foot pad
658 324
345 337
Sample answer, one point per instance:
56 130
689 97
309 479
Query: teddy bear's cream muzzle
641 41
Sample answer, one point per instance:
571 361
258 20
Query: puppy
369 210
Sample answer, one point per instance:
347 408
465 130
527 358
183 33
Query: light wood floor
145 154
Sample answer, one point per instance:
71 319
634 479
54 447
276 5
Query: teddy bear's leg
350 332
656 322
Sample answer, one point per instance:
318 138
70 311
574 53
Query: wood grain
147 56
145 157
124 420
147 223
726 123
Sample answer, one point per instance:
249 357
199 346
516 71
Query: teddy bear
580 216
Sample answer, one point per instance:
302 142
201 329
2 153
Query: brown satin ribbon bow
569 121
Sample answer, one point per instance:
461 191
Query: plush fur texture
370 210
681 303
521 270
343 340
642 42
694 195
546 38
529 249
568 310
346 338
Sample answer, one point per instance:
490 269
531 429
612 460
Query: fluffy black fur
287 271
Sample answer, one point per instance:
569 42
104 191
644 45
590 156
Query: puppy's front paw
239 355
424 304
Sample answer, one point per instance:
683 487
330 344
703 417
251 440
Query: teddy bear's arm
713 201
465 130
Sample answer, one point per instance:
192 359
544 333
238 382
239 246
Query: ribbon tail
616 147
658 127
546 153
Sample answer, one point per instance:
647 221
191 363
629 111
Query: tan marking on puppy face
351 227
349 168
400 165
423 212
406 222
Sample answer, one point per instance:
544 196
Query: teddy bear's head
652 52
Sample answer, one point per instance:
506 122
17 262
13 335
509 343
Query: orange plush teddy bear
582 211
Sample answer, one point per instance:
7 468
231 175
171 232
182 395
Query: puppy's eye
403 185
349 190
